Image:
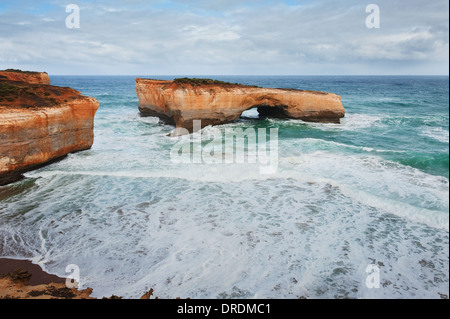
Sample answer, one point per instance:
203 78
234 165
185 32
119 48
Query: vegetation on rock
19 71
199 82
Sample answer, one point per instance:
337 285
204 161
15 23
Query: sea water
370 193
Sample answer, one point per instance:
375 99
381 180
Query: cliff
181 101
40 123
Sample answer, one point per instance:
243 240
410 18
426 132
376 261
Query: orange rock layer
180 104
40 123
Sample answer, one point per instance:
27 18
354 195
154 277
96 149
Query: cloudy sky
226 37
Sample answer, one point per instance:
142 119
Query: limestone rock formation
40 123
182 101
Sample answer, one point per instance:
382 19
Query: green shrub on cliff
26 97
6 89
18 71
198 82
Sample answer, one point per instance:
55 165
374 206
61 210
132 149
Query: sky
226 37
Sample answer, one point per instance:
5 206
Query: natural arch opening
262 111
272 112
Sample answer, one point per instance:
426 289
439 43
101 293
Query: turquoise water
371 190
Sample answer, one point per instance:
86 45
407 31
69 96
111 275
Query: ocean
354 210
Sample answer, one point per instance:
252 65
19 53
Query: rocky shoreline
21 279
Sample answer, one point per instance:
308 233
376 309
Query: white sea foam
351 122
436 133
391 187
388 186
304 233
315 144
309 232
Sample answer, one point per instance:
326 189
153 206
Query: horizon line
254 75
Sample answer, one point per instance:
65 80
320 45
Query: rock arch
214 103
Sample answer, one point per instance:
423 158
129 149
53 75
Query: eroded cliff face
40 123
180 104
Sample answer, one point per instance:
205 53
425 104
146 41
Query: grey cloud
317 37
